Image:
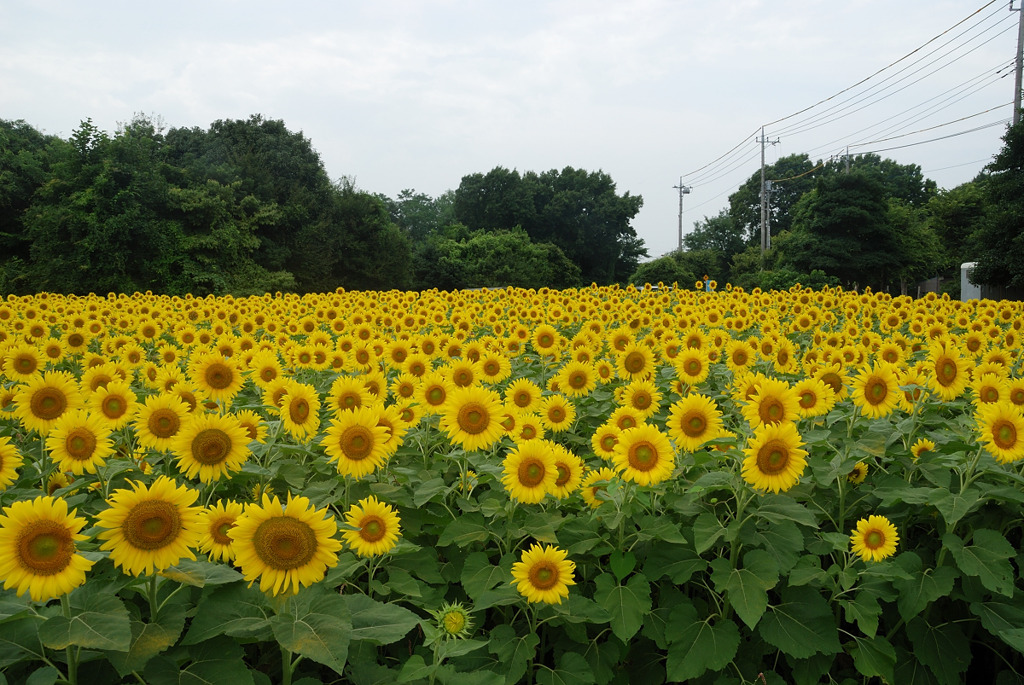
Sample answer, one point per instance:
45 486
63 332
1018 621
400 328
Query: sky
416 94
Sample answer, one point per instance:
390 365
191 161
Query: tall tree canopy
1000 240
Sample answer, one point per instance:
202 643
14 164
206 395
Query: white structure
968 291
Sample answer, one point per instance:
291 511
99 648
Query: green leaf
954 506
201 573
988 558
778 508
449 649
579 609
427 489
149 639
572 669
922 586
677 562
622 564
479 575
661 529
746 588
235 610
514 651
863 609
319 628
801 625
784 541
378 623
874 657
11 607
47 675
627 603
504 594
214 662
464 530
98 620
707 529
807 570
20 638
696 646
1003 619
944 649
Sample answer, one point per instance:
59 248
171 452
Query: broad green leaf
201 573
235 610
801 625
910 670
707 529
622 564
214 662
479 575
604 657
784 541
954 506
579 609
1003 619
426 490
944 649
98 620
628 604
778 508
677 562
19 638
864 610
13 607
807 570
572 669
874 657
513 650
377 622
464 530
923 587
988 558
47 675
660 528
746 588
480 676
505 593
319 629
416 669
449 649
149 639
401 582
696 646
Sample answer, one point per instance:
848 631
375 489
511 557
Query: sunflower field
588 486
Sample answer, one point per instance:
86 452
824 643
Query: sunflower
834 376
79 442
523 394
216 376
529 427
774 402
692 366
391 419
265 368
814 397
530 471
470 417
545 340
1001 430
570 472
462 373
403 386
116 403
409 412
556 413
284 546
543 574
577 379
10 462
858 474
254 425
604 439
348 392
453 620
300 411
594 482
150 528
694 420
989 388
356 441
874 538
38 553
45 398
1015 391
216 521
373 528
922 446
98 376
635 362
642 395
159 420
774 459
433 392
740 355
949 371
644 455
23 362
494 367
876 391
211 446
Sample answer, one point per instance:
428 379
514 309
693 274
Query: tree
918 246
1000 240
791 176
955 215
721 235
842 228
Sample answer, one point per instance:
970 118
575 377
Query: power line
932 140
932 128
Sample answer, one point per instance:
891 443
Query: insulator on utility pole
765 239
683 190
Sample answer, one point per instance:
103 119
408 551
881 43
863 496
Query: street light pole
683 190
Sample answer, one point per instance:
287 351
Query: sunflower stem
154 608
286 666
70 650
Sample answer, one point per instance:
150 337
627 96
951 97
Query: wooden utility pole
1020 62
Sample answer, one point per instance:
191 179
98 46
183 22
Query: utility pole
847 159
1020 62
683 190
765 240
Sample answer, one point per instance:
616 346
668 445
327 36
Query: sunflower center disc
635 362
946 371
211 446
219 531
164 423
357 442
80 444
299 411
563 475
435 396
874 539
643 456
151 524
113 407
577 381
694 425
219 376
877 391
609 442
531 473
772 411
454 622
284 543
693 367
473 419
1005 435
807 400
48 404
25 365
45 547
543 575
773 457
989 395
373 529
522 399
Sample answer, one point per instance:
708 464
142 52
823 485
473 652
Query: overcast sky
416 94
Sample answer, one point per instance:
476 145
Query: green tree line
246 206
870 222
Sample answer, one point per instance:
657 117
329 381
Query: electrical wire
932 140
931 128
